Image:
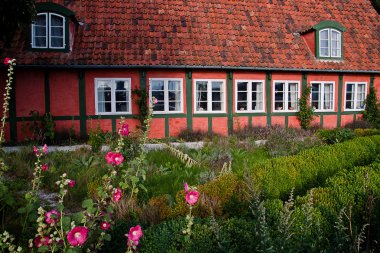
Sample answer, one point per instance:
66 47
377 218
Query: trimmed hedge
310 168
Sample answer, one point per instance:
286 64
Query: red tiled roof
227 33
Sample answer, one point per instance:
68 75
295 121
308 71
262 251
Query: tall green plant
305 114
141 101
372 109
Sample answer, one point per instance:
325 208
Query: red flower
42 241
52 216
71 183
7 61
45 167
77 236
192 197
114 158
45 149
124 130
35 150
134 235
104 225
116 196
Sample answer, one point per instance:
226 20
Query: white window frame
330 47
249 96
48 16
113 97
355 94
166 94
323 83
286 99
209 96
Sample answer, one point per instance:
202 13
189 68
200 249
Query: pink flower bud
116 196
45 167
71 183
7 61
124 130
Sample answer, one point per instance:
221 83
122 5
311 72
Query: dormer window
330 43
53 28
48 31
329 40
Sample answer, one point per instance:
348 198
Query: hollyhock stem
7 97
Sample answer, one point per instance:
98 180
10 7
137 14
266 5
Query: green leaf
66 223
21 210
60 207
77 217
43 249
87 203
107 237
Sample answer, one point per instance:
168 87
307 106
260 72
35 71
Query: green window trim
330 26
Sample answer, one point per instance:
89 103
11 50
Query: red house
213 65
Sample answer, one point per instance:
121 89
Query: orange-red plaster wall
240 123
353 78
104 124
219 125
326 77
330 121
310 40
293 122
377 85
278 120
132 124
66 126
157 128
90 76
346 119
177 125
260 121
200 124
64 97
30 94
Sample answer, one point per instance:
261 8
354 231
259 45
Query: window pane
159 95
157 84
216 86
121 96
324 35
292 96
174 85
315 96
201 86
56 42
216 106
242 96
242 106
174 95
279 96
216 96
104 106
122 107
242 86
175 106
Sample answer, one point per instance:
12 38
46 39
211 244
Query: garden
299 190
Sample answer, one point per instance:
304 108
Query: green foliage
337 135
305 114
96 138
15 14
42 128
360 132
376 4
310 168
372 109
142 103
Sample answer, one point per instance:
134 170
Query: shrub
335 135
305 114
360 132
372 112
310 168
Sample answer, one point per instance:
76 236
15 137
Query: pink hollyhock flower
116 196
192 197
7 61
124 130
117 159
45 149
71 183
155 101
45 167
134 235
52 216
186 186
109 157
77 236
105 225
35 150
42 241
